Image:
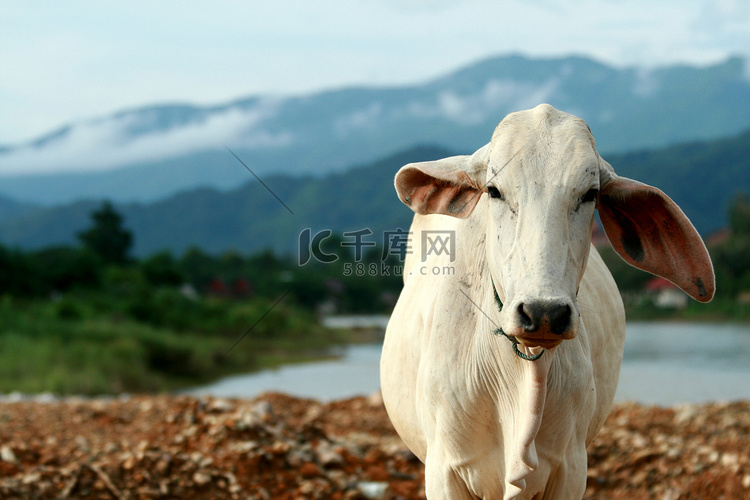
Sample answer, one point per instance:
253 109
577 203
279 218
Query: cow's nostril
555 316
528 317
559 319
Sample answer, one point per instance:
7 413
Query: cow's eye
495 192
590 196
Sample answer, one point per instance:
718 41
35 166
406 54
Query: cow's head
542 180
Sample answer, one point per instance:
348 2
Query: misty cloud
105 144
497 95
360 119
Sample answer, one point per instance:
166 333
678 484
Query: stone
373 489
7 455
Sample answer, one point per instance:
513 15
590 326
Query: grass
78 345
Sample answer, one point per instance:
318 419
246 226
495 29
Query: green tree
162 269
18 276
732 257
107 237
63 268
739 215
198 267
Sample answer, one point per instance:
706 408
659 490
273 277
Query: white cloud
105 144
496 96
65 62
646 83
724 15
359 119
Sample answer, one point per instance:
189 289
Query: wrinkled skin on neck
517 389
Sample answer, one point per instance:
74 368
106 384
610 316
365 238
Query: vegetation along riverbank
90 319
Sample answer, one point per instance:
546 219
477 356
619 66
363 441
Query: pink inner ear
650 232
453 193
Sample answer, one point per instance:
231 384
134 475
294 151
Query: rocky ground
278 447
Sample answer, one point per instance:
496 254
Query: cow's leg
568 480
441 481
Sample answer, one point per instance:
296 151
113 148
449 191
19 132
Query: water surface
664 363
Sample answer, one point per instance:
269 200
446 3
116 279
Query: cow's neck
518 389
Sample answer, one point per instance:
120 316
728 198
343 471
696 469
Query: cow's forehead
542 139
543 117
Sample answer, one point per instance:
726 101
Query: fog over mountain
150 153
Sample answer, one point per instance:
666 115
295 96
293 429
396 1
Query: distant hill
150 153
248 218
701 177
10 209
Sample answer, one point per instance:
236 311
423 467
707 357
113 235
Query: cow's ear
451 186
650 232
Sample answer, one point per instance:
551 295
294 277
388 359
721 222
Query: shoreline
51 398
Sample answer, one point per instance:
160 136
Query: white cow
499 397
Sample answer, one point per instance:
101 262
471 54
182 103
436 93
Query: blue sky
67 61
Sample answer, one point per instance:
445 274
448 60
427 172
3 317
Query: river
664 364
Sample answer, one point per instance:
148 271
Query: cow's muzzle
543 323
540 324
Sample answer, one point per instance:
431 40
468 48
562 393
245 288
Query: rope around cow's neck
513 340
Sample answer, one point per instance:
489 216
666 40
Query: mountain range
701 176
149 154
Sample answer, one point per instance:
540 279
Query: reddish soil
279 447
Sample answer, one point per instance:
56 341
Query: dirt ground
279 447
